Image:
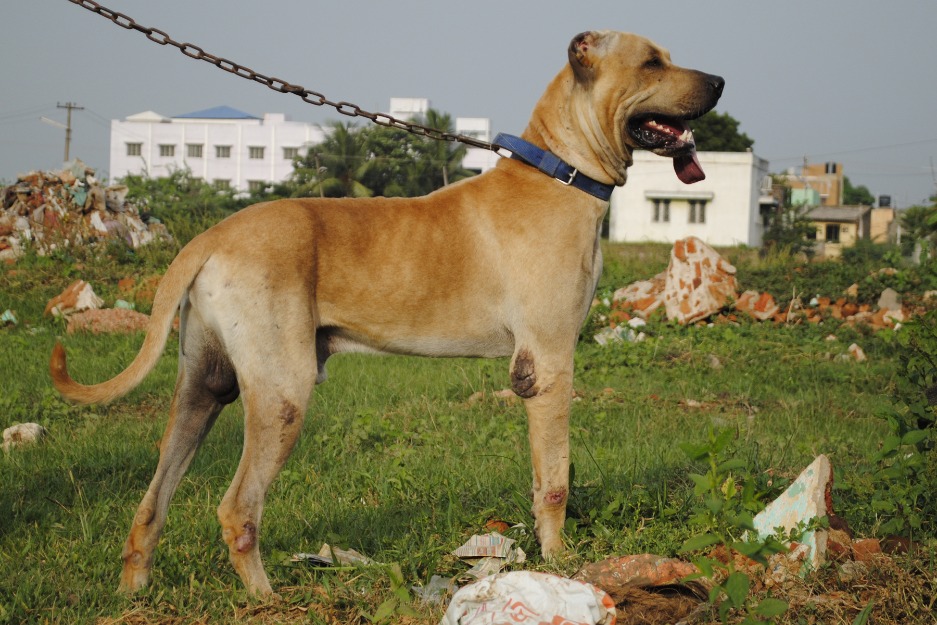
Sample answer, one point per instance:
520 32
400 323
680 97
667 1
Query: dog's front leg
545 383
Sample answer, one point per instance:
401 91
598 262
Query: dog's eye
654 62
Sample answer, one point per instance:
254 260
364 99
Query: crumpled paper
489 553
532 598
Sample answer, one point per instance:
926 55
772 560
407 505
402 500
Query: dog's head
627 94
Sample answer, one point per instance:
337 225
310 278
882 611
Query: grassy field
397 463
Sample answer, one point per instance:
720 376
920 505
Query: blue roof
218 112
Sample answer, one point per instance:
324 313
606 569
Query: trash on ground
22 434
8 318
529 597
489 553
333 556
77 296
66 208
809 497
647 587
436 590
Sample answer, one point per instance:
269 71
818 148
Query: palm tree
337 166
443 159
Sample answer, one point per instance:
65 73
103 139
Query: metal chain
277 84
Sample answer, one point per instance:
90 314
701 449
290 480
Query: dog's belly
334 340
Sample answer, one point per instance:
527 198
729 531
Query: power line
857 150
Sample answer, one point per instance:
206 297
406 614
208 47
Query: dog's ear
584 54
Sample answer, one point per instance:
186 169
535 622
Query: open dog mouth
669 136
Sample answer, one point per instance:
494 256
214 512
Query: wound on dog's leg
523 375
246 541
556 497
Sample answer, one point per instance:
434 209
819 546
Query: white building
476 159
223 146
233 149
729 207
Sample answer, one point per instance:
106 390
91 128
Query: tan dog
502 264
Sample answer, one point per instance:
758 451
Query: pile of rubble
66 208
699 284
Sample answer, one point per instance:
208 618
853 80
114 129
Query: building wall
271 135
732 191
881 225
826 179
849 233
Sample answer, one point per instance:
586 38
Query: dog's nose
717 83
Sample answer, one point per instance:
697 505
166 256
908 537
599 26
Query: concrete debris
889 300
761 306
857 353
809 497
700 285
699 282
77 297
643 297
22 434
69 208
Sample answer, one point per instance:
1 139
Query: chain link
278 84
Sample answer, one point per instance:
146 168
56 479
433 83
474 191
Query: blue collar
550 164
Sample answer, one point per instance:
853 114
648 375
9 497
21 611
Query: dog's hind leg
278 379
544 380
205 383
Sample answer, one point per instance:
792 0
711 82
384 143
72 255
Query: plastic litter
532 598
329 555
437 588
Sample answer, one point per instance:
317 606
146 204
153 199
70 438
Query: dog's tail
172 288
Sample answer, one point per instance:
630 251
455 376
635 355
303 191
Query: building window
222 151
167 150
697 211
290 153
221 184
193 150
255 186
661 211
255 152
134 149
832 233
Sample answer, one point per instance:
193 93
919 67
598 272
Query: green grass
395 462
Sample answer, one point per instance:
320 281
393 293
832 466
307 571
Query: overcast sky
853 81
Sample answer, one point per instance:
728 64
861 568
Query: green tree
377 160
919 225
789 229
441 161
336 167
394 153
719 132
853 196
186 204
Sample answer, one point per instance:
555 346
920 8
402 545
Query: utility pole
69 106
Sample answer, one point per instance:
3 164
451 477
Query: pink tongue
688 168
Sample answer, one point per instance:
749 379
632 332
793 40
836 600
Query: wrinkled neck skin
565 122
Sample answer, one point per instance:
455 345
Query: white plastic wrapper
530 598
